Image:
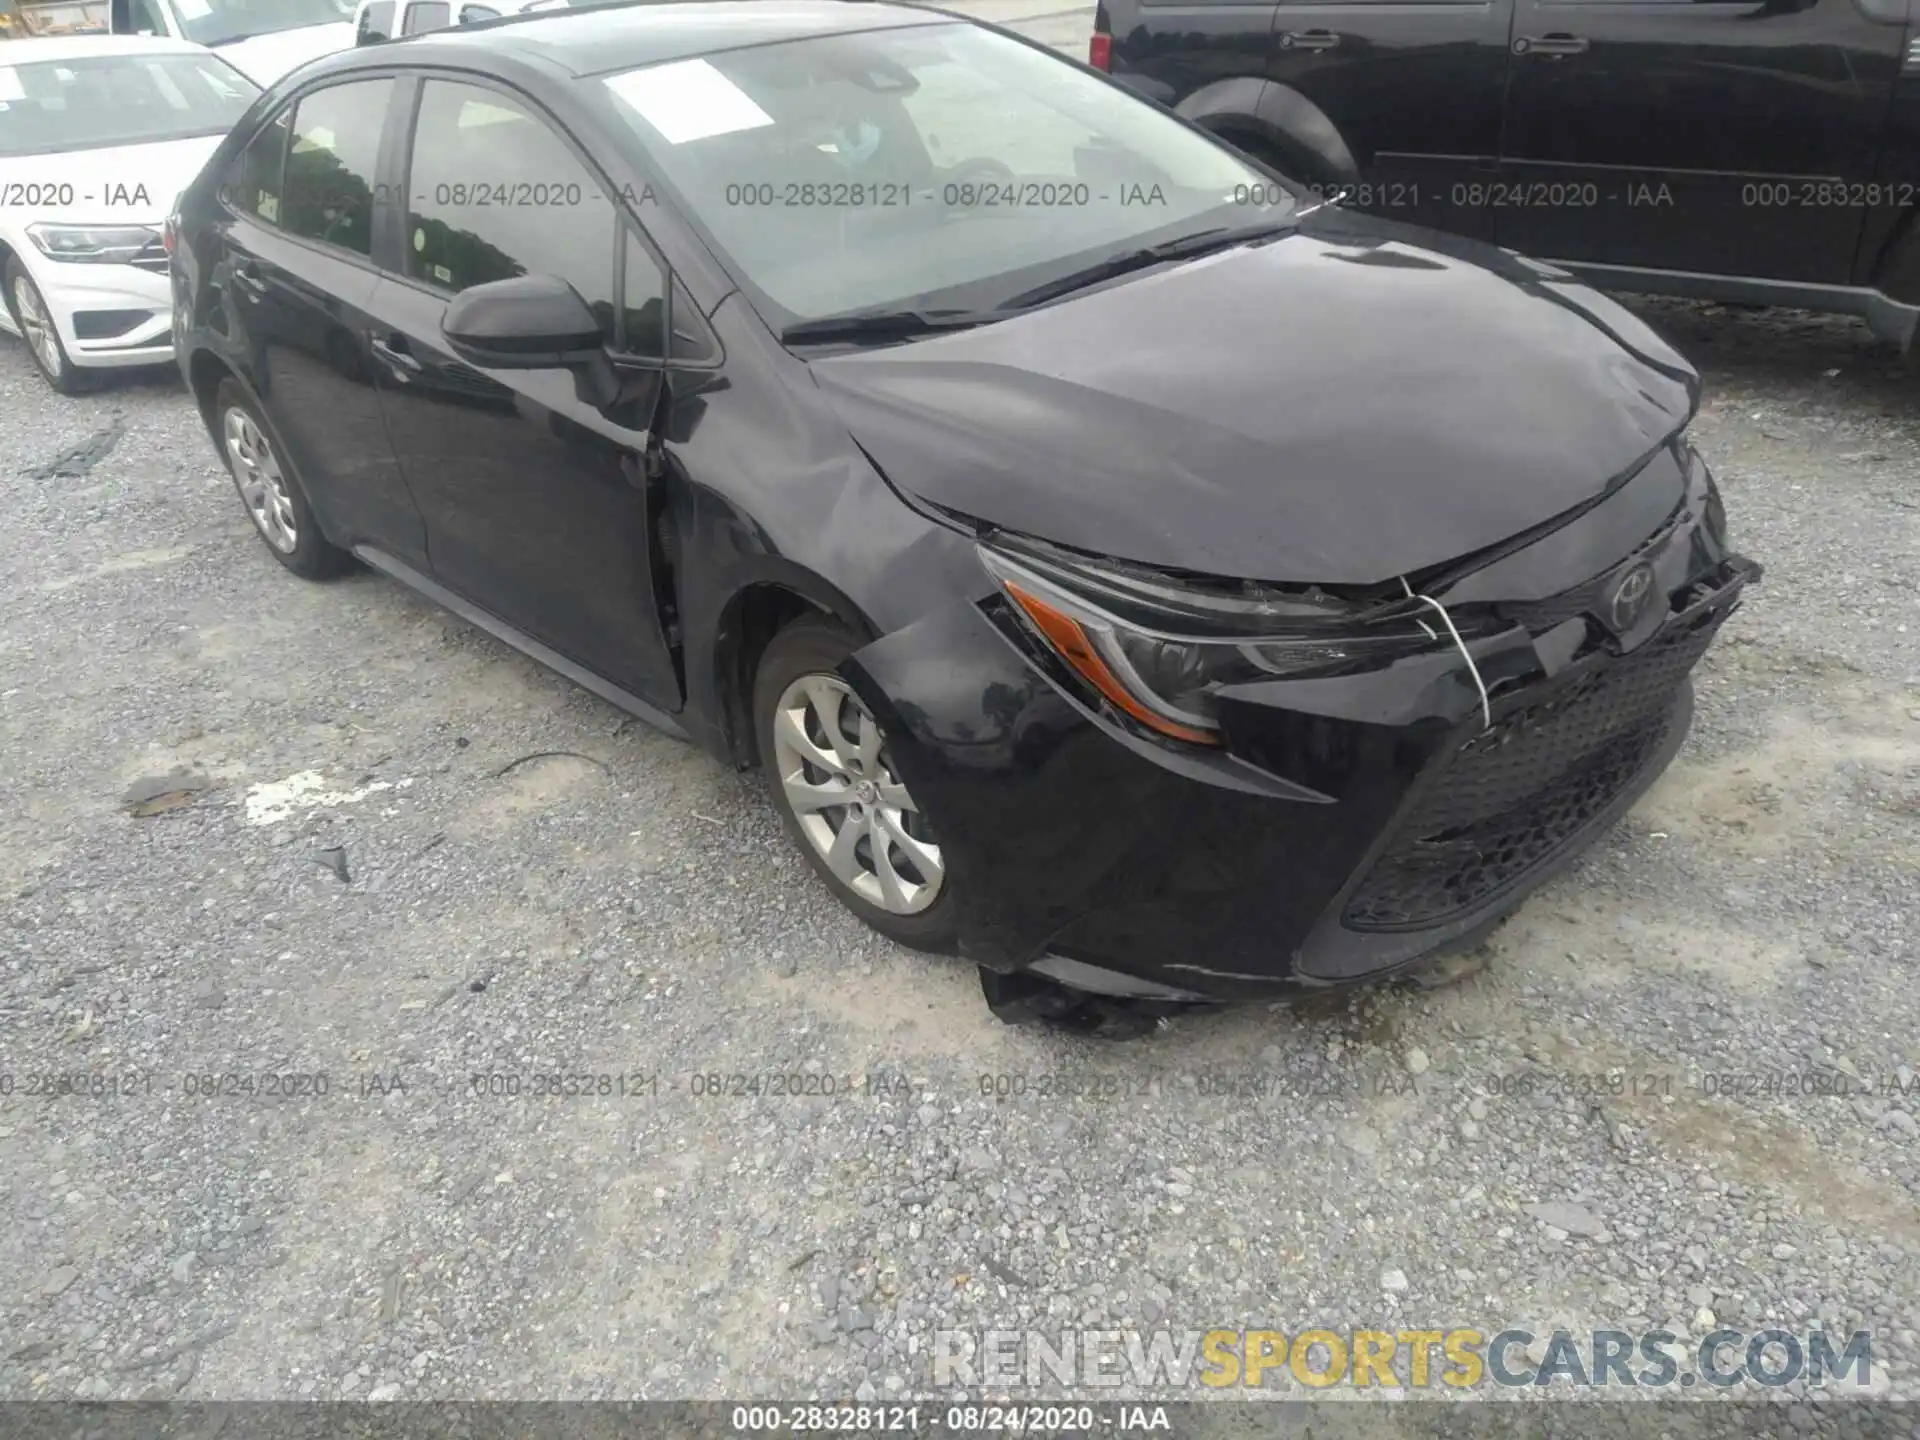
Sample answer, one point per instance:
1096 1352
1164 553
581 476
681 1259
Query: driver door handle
393 350
1308 39
1551 46
246 278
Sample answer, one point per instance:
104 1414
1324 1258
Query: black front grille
1587 598
1505 801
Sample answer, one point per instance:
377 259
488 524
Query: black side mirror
533 322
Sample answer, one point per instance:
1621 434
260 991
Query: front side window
102 101
926 165
495 193
332 162
221 22
472 13
428 15
376 22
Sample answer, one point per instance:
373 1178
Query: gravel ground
356 873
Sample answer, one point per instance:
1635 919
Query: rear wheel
830 774
275 500
35 319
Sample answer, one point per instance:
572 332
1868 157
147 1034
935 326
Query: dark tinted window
376 21
253 183
643 305
471 13
495 193
433 15
331 164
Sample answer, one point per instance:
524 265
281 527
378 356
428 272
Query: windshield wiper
1183 247
885 324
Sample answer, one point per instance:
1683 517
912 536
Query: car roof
39 48
604 39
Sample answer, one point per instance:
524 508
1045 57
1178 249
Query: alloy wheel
257 472
37 324
837 776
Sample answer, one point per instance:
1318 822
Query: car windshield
923 167
105 101
221 22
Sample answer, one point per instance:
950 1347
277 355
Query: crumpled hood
263 59
1355 401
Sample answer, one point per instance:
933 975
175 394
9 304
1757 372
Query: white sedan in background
98 133
264 39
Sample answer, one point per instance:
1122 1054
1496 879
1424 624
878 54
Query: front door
535 502
1731 137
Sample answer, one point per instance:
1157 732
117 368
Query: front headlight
91 244
1159 652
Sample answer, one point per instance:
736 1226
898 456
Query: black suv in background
1758 151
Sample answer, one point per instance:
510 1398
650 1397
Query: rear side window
471 13
496 193
376 21
429 15
331 164
252 185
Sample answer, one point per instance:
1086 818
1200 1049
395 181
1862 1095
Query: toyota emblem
1630 596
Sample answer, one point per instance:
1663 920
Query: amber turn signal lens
1069 639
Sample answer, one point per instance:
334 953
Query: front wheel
831 775
35 319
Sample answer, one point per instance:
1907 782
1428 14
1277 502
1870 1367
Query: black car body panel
1760 152
1118 855
1351 403
1199 441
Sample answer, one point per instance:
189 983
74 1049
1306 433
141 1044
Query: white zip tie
1486 705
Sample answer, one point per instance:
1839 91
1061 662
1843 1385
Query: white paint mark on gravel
272 801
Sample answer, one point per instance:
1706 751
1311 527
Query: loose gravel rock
323 1159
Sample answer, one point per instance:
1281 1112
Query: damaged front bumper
1353 826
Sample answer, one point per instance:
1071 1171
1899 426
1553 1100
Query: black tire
815 645
311 556
64 376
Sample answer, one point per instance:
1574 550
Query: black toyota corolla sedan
1152 583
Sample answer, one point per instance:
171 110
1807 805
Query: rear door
1718 136
295 274
1414 87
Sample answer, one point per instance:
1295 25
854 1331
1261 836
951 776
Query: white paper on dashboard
688 100
10 86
